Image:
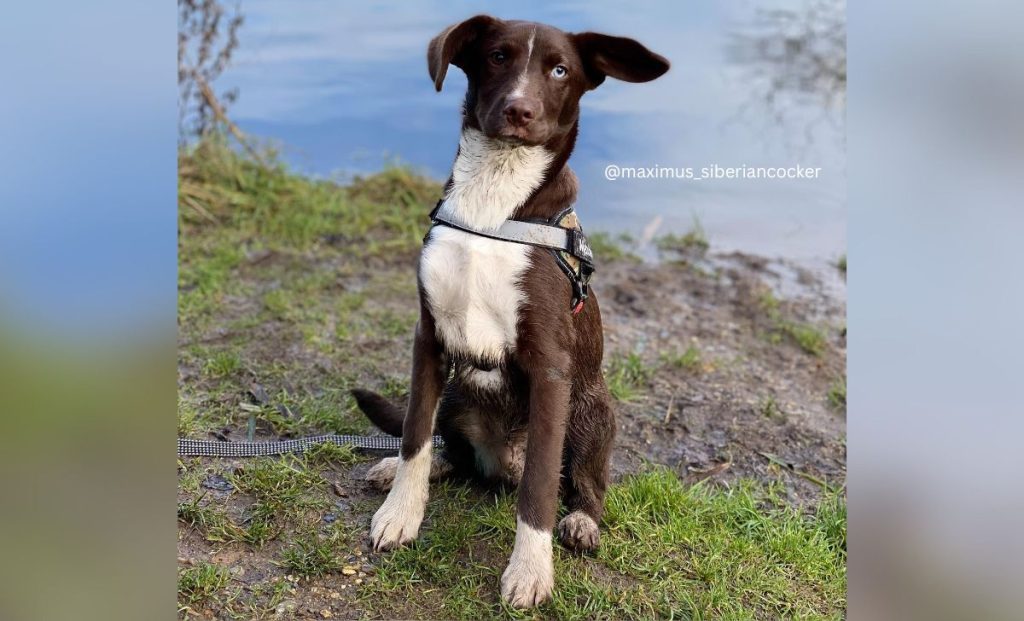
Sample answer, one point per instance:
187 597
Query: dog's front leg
398 519
529 578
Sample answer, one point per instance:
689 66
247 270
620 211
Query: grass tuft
694 241
770 408
626 375
690 360
808 337
311 556
837 394
200 583
609 248
223 363
330 454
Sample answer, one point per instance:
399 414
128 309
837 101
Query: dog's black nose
521 111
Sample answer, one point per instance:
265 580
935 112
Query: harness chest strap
562 235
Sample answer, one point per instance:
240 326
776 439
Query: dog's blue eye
559 71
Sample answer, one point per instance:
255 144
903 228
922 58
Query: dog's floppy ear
447 47
618 57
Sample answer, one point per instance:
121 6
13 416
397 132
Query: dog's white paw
382 474
397 522
530 576
398 519
578 531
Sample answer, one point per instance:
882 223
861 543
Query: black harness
562 236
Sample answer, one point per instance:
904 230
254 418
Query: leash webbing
188 447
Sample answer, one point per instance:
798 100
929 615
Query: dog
508 347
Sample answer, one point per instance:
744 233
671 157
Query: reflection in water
795 60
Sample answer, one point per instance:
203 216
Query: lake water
344 88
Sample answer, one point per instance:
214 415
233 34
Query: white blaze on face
524 78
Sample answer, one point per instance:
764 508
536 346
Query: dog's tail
387 416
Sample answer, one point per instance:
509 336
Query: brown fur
551 425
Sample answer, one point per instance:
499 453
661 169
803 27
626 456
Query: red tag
578 308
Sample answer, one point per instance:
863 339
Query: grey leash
188 447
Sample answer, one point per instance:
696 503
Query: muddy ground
757 403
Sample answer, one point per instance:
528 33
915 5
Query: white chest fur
473 289
473 283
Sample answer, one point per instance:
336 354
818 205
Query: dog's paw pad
382 474
527 583
578 531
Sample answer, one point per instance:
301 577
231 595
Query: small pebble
286 609
348 570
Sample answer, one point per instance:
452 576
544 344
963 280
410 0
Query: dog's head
526 79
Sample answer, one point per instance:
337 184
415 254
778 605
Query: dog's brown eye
497 57
559 72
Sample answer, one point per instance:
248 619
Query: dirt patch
748 402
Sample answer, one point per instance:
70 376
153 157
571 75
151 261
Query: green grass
690 360
311 556
198 584
693 241
770 408
218 187
223 363
809 337
274 279
233 211
283 495
281 484
607 247
329 454
837 394
626 375
667 550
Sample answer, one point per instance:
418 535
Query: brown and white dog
510 377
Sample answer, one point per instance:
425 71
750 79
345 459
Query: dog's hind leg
590 436
382 474
442 463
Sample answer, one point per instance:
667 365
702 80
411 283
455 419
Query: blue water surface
344 88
